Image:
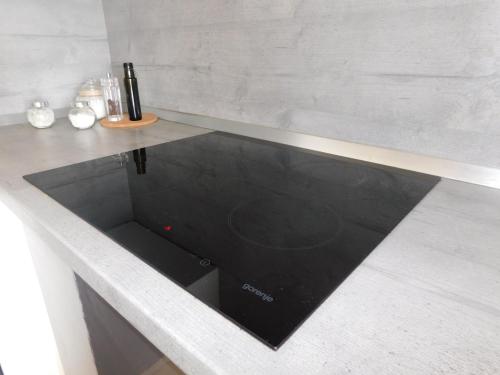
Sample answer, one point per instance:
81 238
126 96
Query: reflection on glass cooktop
262 232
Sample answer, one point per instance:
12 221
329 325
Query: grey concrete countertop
426 301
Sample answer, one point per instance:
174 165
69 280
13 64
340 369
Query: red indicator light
168 228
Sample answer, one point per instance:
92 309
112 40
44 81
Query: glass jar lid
80 104
39 103
90 88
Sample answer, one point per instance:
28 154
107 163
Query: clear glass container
40 115
91 92
112 97
81 115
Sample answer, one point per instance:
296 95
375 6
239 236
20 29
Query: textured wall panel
418 76
47 49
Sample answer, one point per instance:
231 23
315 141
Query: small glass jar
91 92
40 115
81 115
112 98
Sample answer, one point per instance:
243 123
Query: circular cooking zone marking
284 223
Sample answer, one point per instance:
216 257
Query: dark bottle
133 102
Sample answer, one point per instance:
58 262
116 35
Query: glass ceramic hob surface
262 232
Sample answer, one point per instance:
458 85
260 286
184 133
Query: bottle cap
129 70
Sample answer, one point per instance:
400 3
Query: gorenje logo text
265 297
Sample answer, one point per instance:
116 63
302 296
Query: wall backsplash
417 76
47 49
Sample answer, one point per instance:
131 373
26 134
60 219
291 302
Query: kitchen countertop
425 301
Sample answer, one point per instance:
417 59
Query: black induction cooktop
262 232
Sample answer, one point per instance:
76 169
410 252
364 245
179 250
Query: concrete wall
419 76
47 48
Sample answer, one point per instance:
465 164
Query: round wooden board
147 119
